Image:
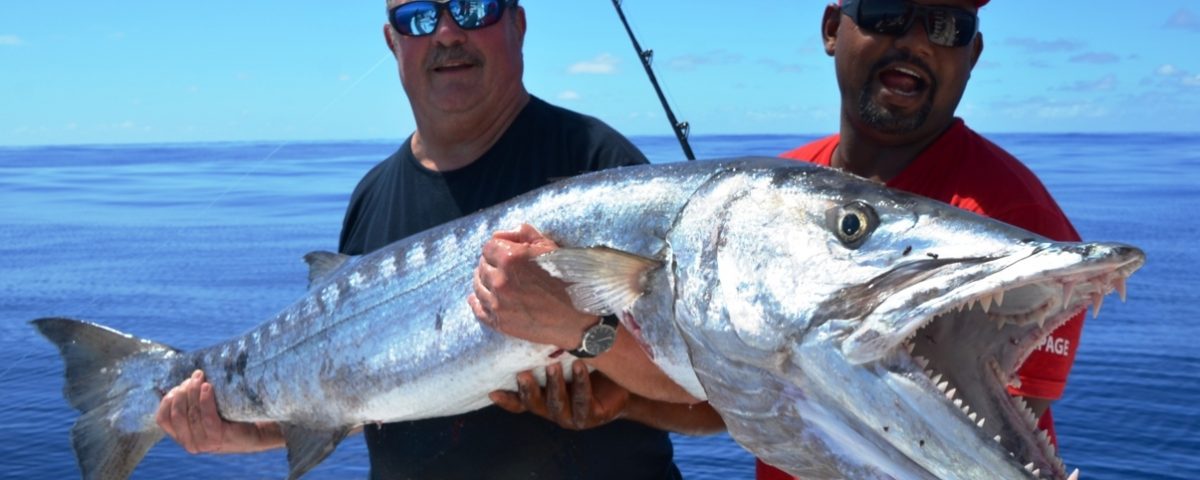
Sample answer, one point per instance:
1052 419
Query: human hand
594 400
188 414
515 296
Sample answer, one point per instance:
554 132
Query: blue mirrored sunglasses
945 26
420 18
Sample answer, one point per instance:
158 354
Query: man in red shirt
901 73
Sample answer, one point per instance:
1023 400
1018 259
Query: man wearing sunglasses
481 138
902 67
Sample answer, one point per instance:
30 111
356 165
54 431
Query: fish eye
852 223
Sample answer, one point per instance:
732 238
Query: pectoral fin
603 281
322 264
307 447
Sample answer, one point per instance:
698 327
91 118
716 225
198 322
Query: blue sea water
189 244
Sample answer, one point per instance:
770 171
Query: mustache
441 55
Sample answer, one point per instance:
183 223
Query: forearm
688 419
629 366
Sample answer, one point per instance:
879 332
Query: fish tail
116 382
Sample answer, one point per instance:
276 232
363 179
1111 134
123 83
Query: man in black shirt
480 139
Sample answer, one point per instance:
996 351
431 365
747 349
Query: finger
556 395
195 420
530 393
179 418
581 395
210 418
509 401
163 416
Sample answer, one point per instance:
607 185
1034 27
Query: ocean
188 244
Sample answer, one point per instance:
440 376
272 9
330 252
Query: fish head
895 323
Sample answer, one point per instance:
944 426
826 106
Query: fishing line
254 166
248 170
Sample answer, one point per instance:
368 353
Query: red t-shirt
966 170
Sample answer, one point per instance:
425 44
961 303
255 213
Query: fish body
787 295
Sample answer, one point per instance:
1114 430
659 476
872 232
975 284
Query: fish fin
603 280
307 447
322 264
116 425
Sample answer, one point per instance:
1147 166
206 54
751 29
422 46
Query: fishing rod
680 128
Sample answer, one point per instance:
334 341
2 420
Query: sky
140 71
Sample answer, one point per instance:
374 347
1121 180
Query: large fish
841 329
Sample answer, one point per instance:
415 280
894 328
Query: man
901 69
480 139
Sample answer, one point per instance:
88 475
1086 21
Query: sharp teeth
1068 289
1074 475
996 438
1097 302
958 402
1037 472
980 425
999 297
1119 284
936 378
910 347
972 417
950 394
1016 382
922 361
986 303
942 386
1029 467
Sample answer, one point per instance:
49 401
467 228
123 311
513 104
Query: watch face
599 339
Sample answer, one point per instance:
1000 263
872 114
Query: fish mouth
967 345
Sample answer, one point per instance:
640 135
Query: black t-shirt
398 198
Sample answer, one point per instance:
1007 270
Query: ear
976 49
519 20
387 37
829 27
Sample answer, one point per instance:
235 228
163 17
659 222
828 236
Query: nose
916 39
448 32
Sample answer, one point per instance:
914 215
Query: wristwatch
599 338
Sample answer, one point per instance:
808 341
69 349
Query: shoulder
1004 188
818 151
562 133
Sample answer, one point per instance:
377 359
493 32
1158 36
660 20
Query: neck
447 142
877 158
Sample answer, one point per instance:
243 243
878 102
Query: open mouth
903 81
969 352
451 67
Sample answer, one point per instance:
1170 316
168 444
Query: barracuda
841 329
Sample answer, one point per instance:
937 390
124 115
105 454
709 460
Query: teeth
986 303
1016 382
1068 289
922 361
1119 284
1097 302
1029 467
980 425
1074 475
972 417
950 393
958 402
942 386
1037 472
910 347
999 298
996 438
936 378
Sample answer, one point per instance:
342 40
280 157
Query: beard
880 117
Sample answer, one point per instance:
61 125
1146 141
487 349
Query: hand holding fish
593 400
188 414
518 298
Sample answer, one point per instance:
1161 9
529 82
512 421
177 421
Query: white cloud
1167 70
603 64
569 95
1191 81
1103 84
1184 19
10 40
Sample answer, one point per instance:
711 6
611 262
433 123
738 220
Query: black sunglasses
945 26
417 19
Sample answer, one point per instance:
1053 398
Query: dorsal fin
321 264
604 281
